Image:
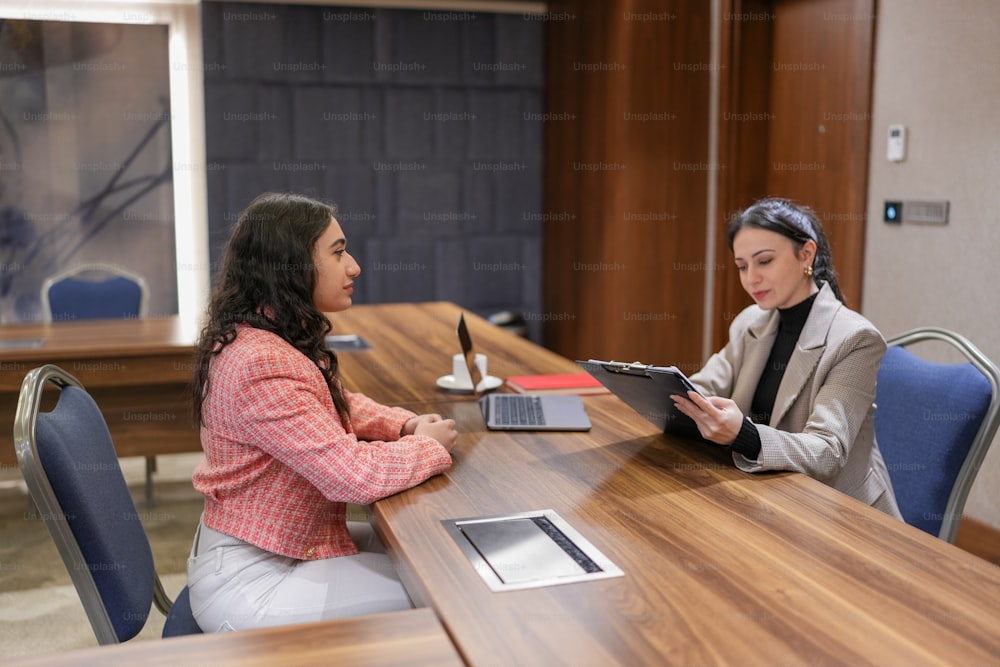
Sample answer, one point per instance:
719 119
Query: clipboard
647 390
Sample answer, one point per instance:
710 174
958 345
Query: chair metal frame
102 267
987 429
48 505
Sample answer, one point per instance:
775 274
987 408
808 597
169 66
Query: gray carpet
39 609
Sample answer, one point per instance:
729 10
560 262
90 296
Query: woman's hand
718 419
433 426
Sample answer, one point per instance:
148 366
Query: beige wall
937 70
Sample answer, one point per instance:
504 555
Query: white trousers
236 586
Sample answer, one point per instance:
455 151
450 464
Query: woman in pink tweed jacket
286 446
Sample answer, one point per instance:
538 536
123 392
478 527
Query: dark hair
795 222
266 280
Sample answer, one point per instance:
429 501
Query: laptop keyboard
518 410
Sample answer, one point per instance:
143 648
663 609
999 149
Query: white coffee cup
461 372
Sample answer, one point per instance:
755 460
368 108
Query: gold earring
808 271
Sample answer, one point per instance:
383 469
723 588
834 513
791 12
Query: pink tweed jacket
280 465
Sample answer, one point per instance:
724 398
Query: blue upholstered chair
98 291
934 423
94 291
72 472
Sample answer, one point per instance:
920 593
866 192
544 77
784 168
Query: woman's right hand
442 430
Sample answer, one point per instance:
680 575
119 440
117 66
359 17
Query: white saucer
488 383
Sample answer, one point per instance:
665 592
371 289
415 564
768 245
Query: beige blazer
822 421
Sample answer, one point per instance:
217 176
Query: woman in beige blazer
794 387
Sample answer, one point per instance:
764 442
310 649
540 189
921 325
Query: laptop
647 390
522 412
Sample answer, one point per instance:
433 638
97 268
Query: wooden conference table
137 371
393 639
720 567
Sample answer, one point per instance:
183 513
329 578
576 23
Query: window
101 149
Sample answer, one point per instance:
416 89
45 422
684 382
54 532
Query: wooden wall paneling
571 122
665 215
625 272
744 124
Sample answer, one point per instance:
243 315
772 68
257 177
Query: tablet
647 390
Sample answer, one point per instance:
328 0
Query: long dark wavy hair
266 280
798 223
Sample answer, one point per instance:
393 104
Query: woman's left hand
410 427
718 419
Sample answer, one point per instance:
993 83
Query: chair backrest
934 423
72 472
94 291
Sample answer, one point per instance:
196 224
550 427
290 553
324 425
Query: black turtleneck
790 324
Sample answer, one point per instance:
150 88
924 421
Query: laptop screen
465 340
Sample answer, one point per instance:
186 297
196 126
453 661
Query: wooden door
795 123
